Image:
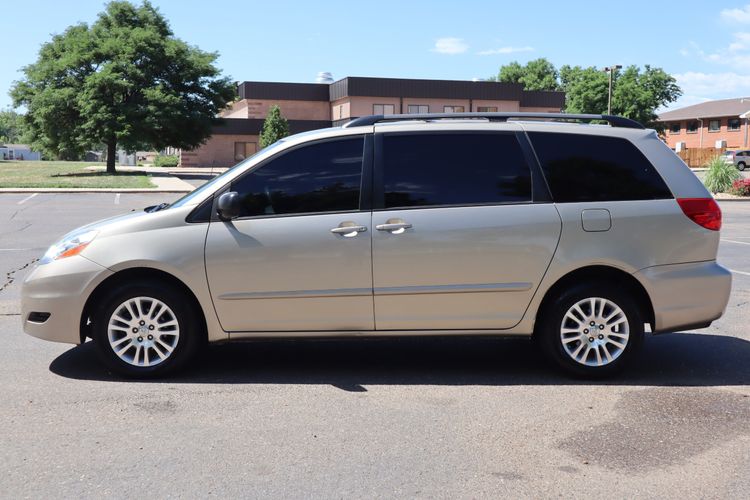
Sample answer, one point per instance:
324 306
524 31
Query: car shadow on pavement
678 359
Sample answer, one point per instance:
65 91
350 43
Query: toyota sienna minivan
581 235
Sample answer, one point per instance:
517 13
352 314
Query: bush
720 175
740 187
168 161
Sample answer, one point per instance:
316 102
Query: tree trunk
111 154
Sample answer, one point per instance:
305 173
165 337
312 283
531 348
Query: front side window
383 109
321 177
734 124
714 125
692 127
418 109
674 128
581 168
421 170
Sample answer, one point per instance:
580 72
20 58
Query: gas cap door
596 220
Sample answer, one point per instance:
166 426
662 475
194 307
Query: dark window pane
594 168
323 177
454 169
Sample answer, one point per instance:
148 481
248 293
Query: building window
418 109
383 109
692 127
453 109
734 124
714 125
487 109
244 150
674 128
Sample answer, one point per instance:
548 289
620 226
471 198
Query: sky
704 44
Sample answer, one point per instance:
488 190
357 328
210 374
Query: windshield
220 179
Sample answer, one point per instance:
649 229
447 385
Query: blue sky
705 44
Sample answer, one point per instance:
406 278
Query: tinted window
594 168
323 177
454 169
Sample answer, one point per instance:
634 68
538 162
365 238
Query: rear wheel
741 165
591 330
145 330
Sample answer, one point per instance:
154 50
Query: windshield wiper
156 208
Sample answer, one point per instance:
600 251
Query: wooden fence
698 157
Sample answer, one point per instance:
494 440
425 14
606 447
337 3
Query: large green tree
11 127
125 81
275 127
636 93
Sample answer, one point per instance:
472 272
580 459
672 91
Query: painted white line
117 199
16 249
27 198
740 272
735 241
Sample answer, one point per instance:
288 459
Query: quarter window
454 169
583 168
322 177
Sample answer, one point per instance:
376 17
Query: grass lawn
65 174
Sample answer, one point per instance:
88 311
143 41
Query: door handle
394 227
348 229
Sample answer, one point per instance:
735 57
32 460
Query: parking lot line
117 199
735 241
740 272
27 198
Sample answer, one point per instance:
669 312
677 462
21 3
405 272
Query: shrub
740 187
168 161
720 175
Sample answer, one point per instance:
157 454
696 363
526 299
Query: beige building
309 106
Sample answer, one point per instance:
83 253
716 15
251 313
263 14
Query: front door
458 241
299 256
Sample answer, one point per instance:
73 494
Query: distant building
309 106
722 123
18 152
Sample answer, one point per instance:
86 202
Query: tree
125 80
275 127
636 93
11 127
539 74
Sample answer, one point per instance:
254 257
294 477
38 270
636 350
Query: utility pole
610 70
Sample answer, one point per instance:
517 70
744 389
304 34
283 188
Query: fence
698 157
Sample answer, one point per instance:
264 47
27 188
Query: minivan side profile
578 235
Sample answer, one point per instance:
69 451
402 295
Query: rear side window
454 169
321 177
593 168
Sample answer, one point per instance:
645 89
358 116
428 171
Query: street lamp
610 70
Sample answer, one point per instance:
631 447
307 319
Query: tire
154 328
741 166
584 351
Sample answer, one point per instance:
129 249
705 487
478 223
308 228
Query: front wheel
145 330
741 166
591 330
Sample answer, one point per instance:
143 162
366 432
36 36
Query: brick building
703 125
309 106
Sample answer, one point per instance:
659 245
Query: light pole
610 70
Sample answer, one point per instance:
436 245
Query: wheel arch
600 274
132 274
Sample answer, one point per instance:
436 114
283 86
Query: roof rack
614 121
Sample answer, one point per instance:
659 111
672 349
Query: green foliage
169 161
636 93
720 176
275 127
125 80
11 128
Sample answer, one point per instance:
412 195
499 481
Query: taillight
703 211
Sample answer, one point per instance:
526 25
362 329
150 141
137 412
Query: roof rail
614 121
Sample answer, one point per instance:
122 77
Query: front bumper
688 295
61 289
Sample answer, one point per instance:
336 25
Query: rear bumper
686 296
59 289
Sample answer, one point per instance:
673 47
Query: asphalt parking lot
385 418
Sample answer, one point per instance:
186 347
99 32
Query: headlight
70 245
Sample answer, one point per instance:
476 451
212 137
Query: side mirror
228 206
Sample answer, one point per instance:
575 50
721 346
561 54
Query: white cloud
700 87
450 45
736 54
741 15
505 50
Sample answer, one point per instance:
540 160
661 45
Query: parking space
377 418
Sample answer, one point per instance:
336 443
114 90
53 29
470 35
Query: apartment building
711 124
309 106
